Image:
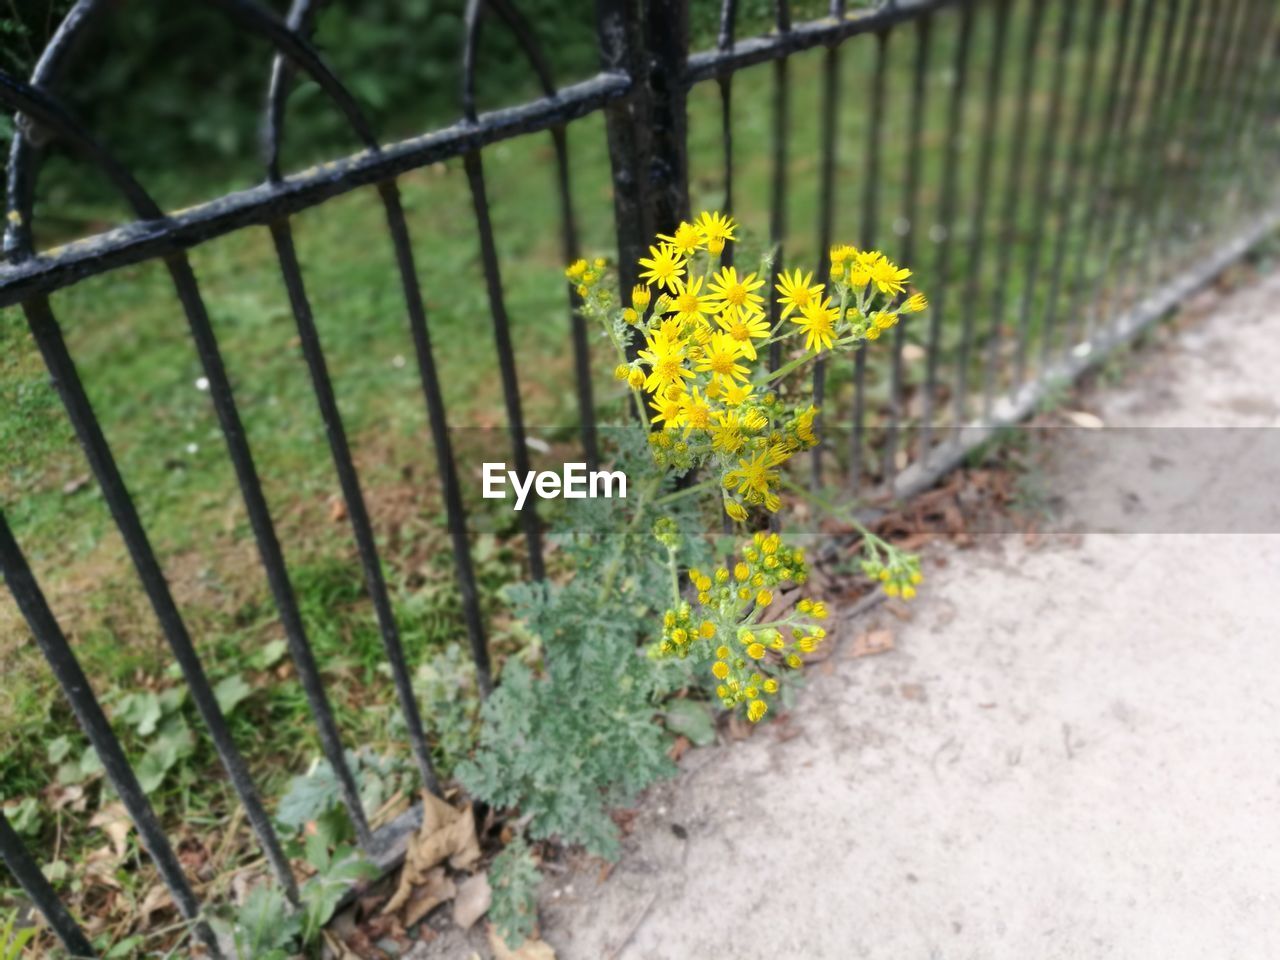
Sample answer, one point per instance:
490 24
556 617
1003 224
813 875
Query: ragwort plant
691 344
718 425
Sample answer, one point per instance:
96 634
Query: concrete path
1073 751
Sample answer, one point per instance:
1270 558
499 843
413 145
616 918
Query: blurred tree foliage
173 88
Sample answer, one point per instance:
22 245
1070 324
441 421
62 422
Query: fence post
618 24
667 47
647 130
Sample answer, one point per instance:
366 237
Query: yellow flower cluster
727 629
705 328
899 573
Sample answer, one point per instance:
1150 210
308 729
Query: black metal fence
1137 142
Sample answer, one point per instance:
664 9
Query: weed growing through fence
719 426
720 413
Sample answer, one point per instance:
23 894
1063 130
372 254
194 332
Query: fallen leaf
531 949
337 509
75 485
435 889
114 821
473 900
1083 419
678 748
446 834
871 642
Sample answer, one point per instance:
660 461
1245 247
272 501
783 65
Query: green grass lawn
130 340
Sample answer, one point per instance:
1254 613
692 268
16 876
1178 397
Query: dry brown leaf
446 834
531 949
435 889
337 509
113 820
871 642
473 900
678 748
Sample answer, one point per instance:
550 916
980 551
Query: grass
130 341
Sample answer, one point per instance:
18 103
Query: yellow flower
741 571
621 372
686 239
744 326
840 255
884 319
794 661
690 303
640 297
707 630
665 358
720 669
806 644
818 321
636 378
819 611
721 359
722 653
915 303
757 710
715 228
764 598
860 266
727 437
888 276
666 408
735 510
771 685
576 270
695 413
664 267
754 477
797 291
736 394
730 290
630 317
755 651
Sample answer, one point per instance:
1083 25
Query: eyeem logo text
575 482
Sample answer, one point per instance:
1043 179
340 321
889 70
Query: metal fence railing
1060 174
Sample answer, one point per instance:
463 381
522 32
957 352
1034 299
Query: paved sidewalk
1073 751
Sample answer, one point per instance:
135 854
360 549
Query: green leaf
24 816
58 749
125 948
231 691
693 720
265 922
139 710
269 655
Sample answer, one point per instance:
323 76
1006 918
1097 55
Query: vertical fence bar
269 550
1210 127
1251 126
1178 124
946 222
66 379
446 467
32 880
667 40
911 213
357 511
826 216
1117 170
978 223
618 31
724 42
506 355
75 686
781 111
1095 180
871 187
1009 225
1235 76
1144 179
1068 204
570 251
1259 30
